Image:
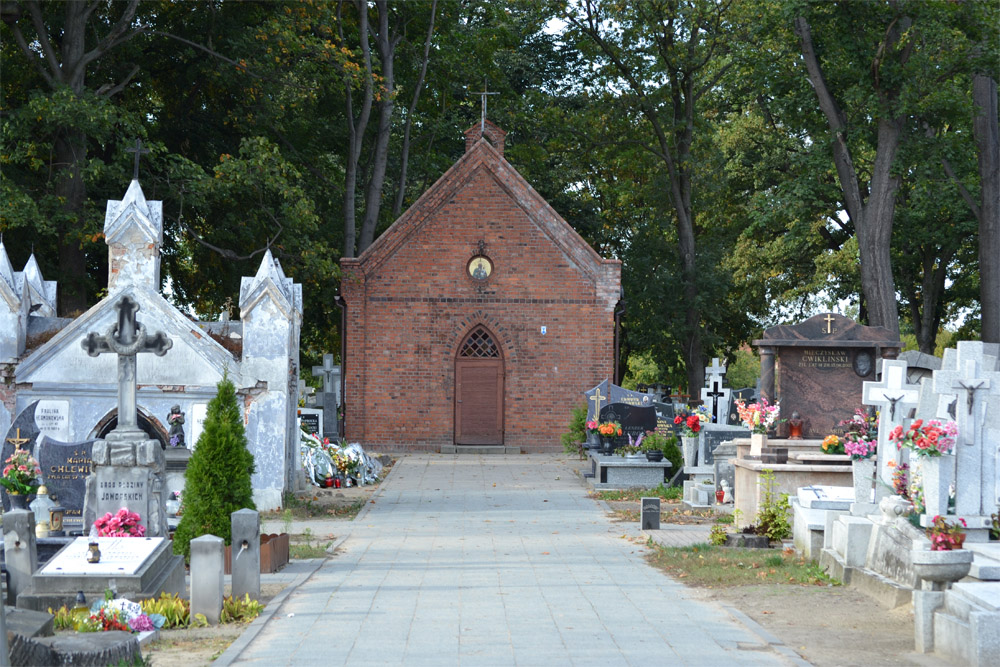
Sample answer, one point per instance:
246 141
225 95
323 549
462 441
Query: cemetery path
494 560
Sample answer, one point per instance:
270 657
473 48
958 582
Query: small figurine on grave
176 421
727 494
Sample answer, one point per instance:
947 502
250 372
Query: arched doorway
479 390
145 424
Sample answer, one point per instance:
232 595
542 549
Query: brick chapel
478 318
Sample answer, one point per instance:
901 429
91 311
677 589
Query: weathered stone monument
328 399
128 467
715 396
817 368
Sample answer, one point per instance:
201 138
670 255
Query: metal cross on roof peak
483 94
138 150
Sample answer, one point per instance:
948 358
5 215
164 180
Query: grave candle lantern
56 515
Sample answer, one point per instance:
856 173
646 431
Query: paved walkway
489 560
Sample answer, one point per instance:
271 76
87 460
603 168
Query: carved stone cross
326 371
597 398
975 469
899 396
714 372
126 338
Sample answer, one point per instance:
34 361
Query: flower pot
757 443
941 567
638 456
654 456
690 450
17 501
939 474
864 472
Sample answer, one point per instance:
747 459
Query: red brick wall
410 302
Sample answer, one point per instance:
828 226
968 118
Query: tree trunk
70 151
984 129
356 128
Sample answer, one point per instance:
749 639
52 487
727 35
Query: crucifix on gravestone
975 469
138 150
326 371
483 94
894 393
126 338
597 398
714 390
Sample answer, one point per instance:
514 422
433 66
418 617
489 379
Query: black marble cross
715 394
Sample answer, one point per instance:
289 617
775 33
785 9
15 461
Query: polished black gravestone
635 420
65 468
23 434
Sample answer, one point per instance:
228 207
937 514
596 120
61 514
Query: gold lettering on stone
825 359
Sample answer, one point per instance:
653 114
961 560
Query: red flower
678 419
694 423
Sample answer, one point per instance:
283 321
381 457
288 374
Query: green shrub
672 453
772 515
717 535
573 439
217 481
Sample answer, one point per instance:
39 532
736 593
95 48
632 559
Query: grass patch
306 551
664 492
710 566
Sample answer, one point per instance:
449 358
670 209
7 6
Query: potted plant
832 445
861 442
19 478
933 441
758 417
654 444
690 420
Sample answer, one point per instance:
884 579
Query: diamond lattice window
479 345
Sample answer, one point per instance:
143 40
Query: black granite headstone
748 396
650 513
634 420
311 422
606 394
65 467
713 435
665 425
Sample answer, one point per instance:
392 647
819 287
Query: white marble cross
327 371
976 467
894 397
126 338
714 373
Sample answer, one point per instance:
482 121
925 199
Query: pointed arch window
479 345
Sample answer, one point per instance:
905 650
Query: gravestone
919 365
606 393
128 468
818 367
665 425
747 395
65 468
329 398
634 420
650 513
714 395
311 421
713 435
894 397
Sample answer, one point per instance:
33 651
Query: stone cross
715 391
138 150
976 467
714 372
326 371
126 338
597 398
899 396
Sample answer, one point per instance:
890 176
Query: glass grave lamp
42 506
56 514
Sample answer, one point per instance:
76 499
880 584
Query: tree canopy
750 162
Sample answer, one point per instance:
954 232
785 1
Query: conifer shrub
217 480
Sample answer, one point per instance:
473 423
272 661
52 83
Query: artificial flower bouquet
691 419
122 524
931 438
21 473
946 536
592 426
760 416
832 445
609 429
861 439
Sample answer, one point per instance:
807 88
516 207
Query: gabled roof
480 157
62 359
271 281
132 216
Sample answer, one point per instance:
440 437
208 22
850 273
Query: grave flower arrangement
20 473
946 536
609 429
592 426
932 438
119 614
760 416
861 439
691 419
832 445
122 524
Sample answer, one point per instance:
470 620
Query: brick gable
410 303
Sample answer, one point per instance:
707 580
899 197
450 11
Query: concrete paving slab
483 560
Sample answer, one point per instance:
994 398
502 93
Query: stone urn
689 445
941 568
938 475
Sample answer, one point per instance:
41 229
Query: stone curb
769 639
231 654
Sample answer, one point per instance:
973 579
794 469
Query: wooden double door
479 377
